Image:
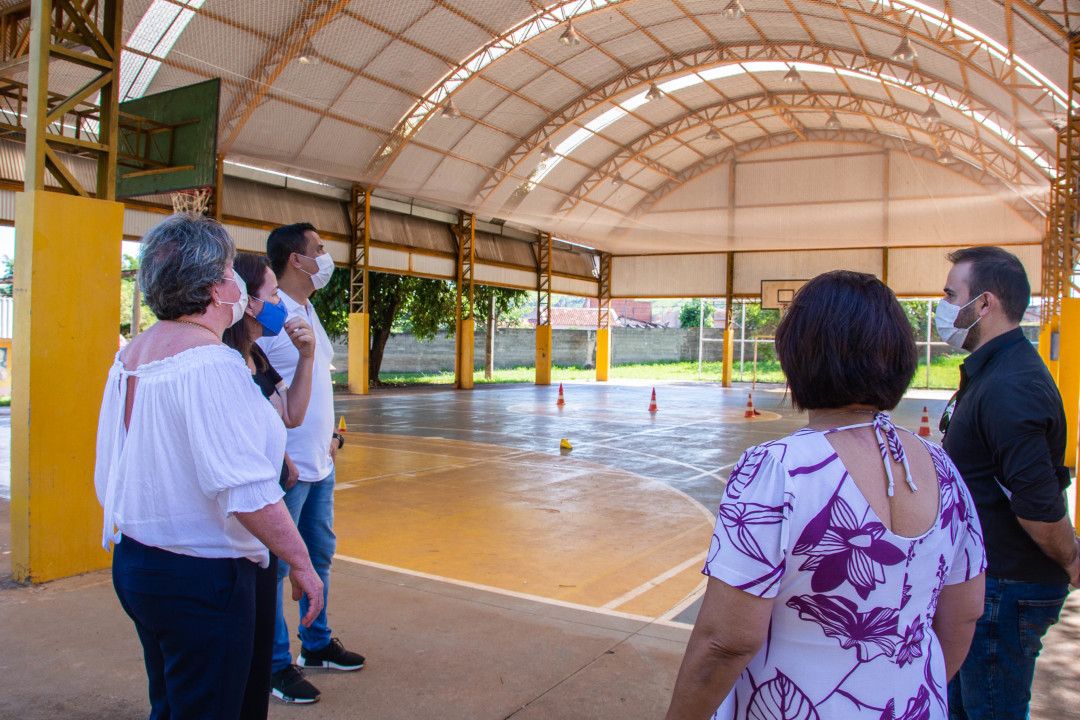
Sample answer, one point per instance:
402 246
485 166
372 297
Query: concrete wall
516 347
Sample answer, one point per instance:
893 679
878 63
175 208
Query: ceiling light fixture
450 109
618 179
547 152
945 156
655 93
714 134
734 9
569 36
833 123
792 77
932 116
904 51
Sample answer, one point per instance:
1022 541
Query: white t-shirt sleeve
227 425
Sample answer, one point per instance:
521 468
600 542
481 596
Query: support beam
1069 373
464 362
67 241
359 328
543 309
729 320
603 320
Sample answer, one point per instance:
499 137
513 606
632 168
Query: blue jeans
994 682
196 622
311 505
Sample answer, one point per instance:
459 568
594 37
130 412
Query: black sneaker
290 686
333 656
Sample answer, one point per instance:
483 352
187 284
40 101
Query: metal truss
1061 245
314 16
360 213
465 231
873 67
543 279
991 159
926 27
603 294
84 33
1025 207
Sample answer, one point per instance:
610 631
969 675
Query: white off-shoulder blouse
202 443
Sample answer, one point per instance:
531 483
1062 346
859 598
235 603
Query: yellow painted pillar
543 354
1069 372
359 353
67 328
603 353
729 353
466 338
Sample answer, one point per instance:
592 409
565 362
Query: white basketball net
193 202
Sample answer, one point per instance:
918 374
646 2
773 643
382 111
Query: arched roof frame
876 68
766 142
786 104
924 24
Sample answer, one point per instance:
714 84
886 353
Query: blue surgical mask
272 318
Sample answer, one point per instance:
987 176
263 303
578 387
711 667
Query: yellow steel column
1069 372
359 334
464 338
68 249
543 309
1049 336
603 325
729 321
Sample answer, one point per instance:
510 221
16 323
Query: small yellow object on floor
341 425
565 444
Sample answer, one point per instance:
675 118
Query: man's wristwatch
340 439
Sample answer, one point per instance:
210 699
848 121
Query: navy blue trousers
196 621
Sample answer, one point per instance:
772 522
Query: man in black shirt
1005 430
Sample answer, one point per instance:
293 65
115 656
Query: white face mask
326 269
945 317
240 305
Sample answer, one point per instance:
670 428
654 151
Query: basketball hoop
192 202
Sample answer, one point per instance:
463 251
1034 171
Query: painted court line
659 579
514 594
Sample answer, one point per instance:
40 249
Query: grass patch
944 374
5 401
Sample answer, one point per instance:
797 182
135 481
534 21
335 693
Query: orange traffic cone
341 424
652 403
924 426
561 401
750 411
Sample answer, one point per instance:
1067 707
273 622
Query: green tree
690 314
7 270
129 265
399 303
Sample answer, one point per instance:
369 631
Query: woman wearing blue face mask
265 315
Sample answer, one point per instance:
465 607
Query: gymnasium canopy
641 127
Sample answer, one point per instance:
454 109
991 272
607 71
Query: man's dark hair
283 242
845 339
999 272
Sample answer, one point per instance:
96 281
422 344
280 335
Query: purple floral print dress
850 635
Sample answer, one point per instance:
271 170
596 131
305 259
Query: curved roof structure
645 126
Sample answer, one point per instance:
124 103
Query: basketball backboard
777 294
168 141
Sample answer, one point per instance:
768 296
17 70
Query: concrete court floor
429 584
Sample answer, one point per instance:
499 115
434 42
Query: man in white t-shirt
302 266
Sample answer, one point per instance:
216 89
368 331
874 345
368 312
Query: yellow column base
466 364
729 355
359 353
67 326
603 353
1069 372
543 354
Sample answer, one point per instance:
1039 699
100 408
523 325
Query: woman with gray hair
188 458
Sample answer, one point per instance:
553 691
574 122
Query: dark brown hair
283 242
844 340
999 272
250 268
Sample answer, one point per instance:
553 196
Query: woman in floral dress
845 572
